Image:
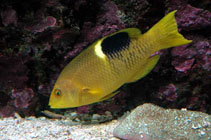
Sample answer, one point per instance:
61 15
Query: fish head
65 94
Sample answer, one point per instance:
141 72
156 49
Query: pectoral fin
150 64
90 91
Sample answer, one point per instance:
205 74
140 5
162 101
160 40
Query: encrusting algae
114 60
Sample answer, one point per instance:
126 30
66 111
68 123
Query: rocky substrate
146 122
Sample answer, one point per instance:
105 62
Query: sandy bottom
47 129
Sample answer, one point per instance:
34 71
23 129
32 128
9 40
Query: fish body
110 62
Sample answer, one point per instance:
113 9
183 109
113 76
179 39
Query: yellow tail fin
164 34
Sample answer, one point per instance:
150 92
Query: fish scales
112 61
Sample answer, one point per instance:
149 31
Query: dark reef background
39 37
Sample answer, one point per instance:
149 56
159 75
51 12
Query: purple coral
191 18
183 65
83 110
9 16
204 52
184 51
13 72
198 52
42 25
184 58
22 101
168 92
106 22
7 111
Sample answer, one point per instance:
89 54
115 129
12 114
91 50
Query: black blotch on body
115 43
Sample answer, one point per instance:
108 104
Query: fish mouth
59 106
51 105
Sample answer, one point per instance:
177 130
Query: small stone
74 114
96 116
77 120
163 124
202 133
108 113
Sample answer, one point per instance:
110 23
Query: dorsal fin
119 41
133 32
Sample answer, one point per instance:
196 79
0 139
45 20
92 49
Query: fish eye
57 92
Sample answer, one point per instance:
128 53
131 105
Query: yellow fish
110 62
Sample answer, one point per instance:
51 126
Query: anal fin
150 64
